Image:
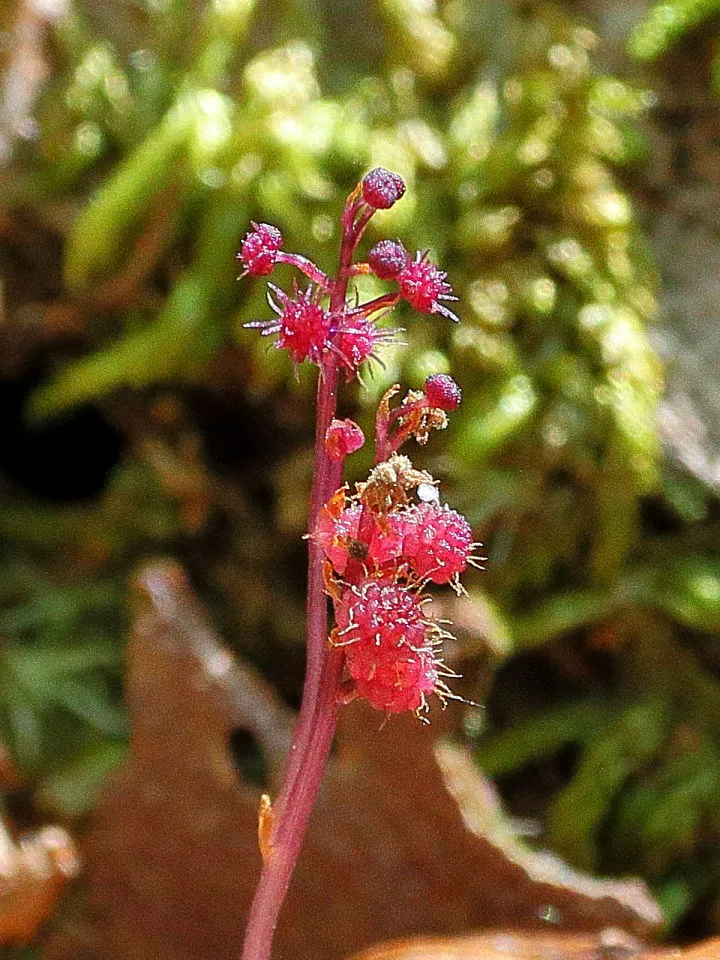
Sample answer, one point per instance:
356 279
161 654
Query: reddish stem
322 690
386 443
307 267
386 302
287 836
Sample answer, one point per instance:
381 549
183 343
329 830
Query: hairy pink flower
442 392
382 188
337 533
437 542
357 340
302 325
424 286
384 633
260 248
397 679
380 613
387 259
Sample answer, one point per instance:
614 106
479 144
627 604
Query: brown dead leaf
610 944
707 950
406 837
512 945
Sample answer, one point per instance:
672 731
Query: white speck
428 493
549 914
218 664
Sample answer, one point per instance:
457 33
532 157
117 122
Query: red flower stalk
373 551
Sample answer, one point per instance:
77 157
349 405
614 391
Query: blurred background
563 165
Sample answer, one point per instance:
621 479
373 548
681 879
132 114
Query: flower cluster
377 572
429 541
306 325
382 546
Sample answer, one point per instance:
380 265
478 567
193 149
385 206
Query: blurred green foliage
669 21
162 132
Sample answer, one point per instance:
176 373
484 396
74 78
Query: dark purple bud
387 259
442 392
381 188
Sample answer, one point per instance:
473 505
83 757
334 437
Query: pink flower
424 286
381 613
437 542
395 679
260 248
357 340
384 633
302 325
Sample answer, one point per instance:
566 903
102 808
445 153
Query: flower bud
387 259
381 188
442 392
342 438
